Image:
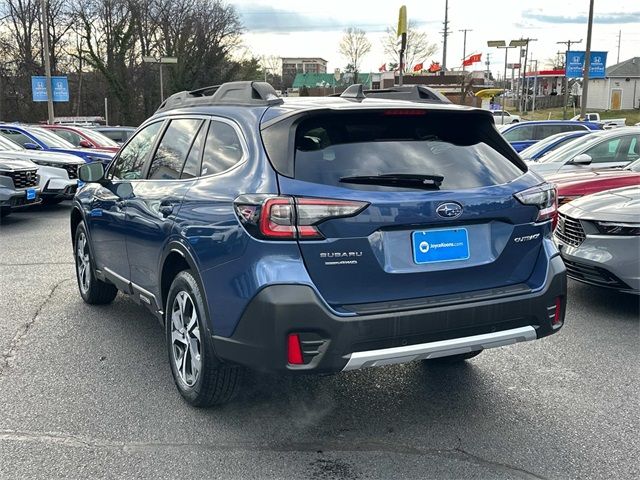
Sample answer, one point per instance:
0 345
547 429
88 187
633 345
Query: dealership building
619 90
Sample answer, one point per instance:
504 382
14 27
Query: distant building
619 90
291 66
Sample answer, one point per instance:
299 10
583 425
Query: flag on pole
383 68
418 67
434 67
477 57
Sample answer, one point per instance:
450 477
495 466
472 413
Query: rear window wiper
404 180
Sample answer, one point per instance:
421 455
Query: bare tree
353 46
418 49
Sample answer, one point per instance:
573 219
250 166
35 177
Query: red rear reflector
276 220
556 317
294 351
405 112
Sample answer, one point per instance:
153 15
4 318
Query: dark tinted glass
192 165
173 149
222 150
329 147
130 163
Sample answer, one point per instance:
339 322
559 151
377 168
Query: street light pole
161 61
503 44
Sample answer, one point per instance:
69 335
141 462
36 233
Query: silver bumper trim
443 348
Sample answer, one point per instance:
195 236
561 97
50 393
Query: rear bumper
332 343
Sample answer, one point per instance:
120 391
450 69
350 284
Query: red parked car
575 185
84 137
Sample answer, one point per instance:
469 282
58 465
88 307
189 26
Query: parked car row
37 165
597 176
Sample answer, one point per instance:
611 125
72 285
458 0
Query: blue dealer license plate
430 246
31 194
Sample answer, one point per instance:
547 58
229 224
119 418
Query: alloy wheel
185 338
83 263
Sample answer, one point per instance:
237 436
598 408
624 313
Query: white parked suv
57 172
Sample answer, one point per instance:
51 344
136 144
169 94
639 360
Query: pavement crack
76 441
10 353
497 466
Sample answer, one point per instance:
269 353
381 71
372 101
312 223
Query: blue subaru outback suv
318 235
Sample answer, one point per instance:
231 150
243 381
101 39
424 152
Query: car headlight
619 228
43 163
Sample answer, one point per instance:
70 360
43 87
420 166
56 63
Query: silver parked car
605 149
599 239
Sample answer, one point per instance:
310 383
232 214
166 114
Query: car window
544 131
633 152
519 133
604 151
69 136
222 149
16 136
192 165
130 162
173 149
50 139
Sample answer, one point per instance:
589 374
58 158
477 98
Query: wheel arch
175 259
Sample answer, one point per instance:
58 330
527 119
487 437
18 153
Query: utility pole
535 85
445 33
587 64
566 80
464 45
619 38
464 56
488 64
523 72
47 60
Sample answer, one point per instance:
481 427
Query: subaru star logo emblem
449 210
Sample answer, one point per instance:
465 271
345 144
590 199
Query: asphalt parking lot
86 392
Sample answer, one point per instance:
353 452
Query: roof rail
245 93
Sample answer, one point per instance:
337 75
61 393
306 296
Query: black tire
452 359
216 382
92 290
4 212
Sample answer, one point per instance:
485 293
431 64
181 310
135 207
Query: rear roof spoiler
413 93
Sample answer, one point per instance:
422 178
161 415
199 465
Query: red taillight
545 197
276 219
403 112
288 218
294 351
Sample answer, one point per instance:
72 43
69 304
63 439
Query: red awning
546 73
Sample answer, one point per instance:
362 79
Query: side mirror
32 146
582 159
91 172
85 144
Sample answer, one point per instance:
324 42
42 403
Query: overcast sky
313 28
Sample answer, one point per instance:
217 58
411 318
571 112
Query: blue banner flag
59 85
575 64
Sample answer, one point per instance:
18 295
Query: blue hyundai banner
575 64
59 85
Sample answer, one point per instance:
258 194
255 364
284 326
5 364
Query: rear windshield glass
333 146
